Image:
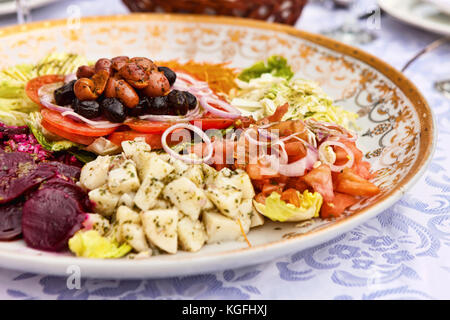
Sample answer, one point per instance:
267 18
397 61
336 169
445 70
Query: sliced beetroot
11 219
65 169
19 173
50 217
70 188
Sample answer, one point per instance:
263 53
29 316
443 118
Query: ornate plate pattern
397 130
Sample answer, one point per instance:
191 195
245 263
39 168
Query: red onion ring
187 159
96 124
230 113
47 99
331 128
299 167
333 167
191 114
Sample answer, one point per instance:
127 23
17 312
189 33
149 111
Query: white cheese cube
257 219
124 178
155 167
227 200
191 234
127 199
238 179
220 228
134 235
97 222
132 148
186 196
126 215
160 227
95 173
148 193
246 212
105 201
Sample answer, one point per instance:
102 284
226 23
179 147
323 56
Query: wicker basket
283 11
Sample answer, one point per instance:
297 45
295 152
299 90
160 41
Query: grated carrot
243 232
219 76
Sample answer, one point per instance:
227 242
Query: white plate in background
9 6
421 14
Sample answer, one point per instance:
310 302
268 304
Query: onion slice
333 167
187 159
92 123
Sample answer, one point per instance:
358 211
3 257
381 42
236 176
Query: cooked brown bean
100 79
144 63
110 89
158 85
134 75
84 89
126 94
85 72
104 64
119 62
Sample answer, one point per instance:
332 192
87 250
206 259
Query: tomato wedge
291 196
67 135
71 126
320 180
212 123
154 140
33 86
336 207
350 183
147 126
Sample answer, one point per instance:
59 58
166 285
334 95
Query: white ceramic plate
421 14
397 132
9 6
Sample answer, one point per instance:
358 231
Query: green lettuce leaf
277 210
275 65
90 244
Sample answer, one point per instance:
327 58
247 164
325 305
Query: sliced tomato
362 169
261 198
268 188
68 125
67 135
350 183
208 123
320 180
147 126
33 86
257 172
336 207
291 196
341 154
154 140
297 183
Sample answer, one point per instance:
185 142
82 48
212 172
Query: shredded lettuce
260 96
14 103
90 244
34 123
277 210
275 65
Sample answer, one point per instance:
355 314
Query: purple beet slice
19 173
70 188
11 219
50 218
64 169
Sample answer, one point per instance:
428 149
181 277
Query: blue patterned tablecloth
404 253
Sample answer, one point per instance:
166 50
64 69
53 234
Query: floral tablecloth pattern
404 253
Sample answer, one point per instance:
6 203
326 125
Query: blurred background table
404 253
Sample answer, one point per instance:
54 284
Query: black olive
142 108
65 94
170 75
87 109
159 106
113 110
178 103
191 100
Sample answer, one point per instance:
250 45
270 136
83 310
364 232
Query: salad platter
163 145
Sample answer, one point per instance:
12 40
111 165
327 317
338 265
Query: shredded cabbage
277 210
259 97
14 103
90 244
